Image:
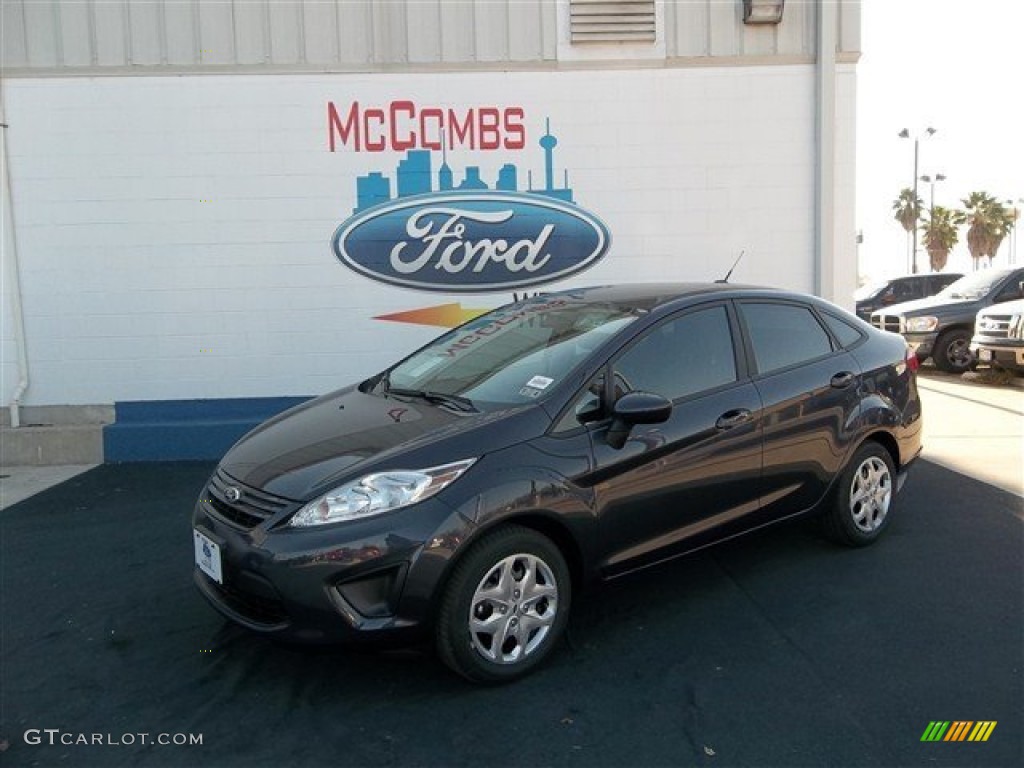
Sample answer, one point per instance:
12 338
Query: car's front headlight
922 324
378 493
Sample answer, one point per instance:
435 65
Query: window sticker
427 365
539 382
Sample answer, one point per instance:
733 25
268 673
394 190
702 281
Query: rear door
673 485
810 389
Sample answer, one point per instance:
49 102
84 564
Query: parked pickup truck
898 290
999 336
941 327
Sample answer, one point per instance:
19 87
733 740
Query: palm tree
907 211
1004 220
941 234
990 221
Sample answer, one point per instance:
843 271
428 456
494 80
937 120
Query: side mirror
636 408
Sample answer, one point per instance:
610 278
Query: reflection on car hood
319 444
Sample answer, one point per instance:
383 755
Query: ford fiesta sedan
467 493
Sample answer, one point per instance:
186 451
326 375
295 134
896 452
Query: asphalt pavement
778 649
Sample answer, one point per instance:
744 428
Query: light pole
905 134
932 180
1015 210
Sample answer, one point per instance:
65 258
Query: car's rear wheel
952 352
505 606
860 512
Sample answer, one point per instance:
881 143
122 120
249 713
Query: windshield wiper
457 402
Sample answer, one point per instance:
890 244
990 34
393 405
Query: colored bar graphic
982 730
958 730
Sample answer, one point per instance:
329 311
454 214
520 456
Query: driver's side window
681 357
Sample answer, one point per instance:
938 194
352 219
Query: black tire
862 507
952 351
537 610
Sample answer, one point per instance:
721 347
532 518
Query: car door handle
842 380
734 418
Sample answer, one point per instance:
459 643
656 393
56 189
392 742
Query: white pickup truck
999 336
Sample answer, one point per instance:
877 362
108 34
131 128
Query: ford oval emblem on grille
232 494
471 242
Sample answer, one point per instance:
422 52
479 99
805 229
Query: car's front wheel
860 512
505 606
952 352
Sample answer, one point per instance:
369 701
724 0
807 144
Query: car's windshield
869 291
512 355
974 286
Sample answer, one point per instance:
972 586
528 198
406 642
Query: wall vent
612 21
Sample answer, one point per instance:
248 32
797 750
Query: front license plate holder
207 553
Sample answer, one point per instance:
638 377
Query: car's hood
919 306
317 445
1015 307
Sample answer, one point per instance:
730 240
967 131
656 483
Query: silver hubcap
870 494
513 609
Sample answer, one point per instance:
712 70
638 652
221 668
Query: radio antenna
729 273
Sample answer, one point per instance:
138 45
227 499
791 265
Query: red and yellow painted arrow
443 315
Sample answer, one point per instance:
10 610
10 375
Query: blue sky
955 66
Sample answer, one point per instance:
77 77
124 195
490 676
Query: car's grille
887 323
256 608
994 326
250 509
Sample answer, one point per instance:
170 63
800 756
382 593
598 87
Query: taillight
912 362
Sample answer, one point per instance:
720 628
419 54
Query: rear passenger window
783 335
842 330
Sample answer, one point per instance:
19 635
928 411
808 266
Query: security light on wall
762 11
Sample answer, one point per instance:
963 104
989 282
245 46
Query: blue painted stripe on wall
148 411
174 430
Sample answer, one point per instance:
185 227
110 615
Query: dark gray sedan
467 493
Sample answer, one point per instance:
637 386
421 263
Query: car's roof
925 275
650 296
1000 271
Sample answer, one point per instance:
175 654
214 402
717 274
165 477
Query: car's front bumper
921 344
368 580
1004 355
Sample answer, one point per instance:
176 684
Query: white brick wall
135 290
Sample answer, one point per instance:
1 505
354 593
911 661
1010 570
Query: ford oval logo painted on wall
438 233
471 242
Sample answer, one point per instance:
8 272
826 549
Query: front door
673 485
